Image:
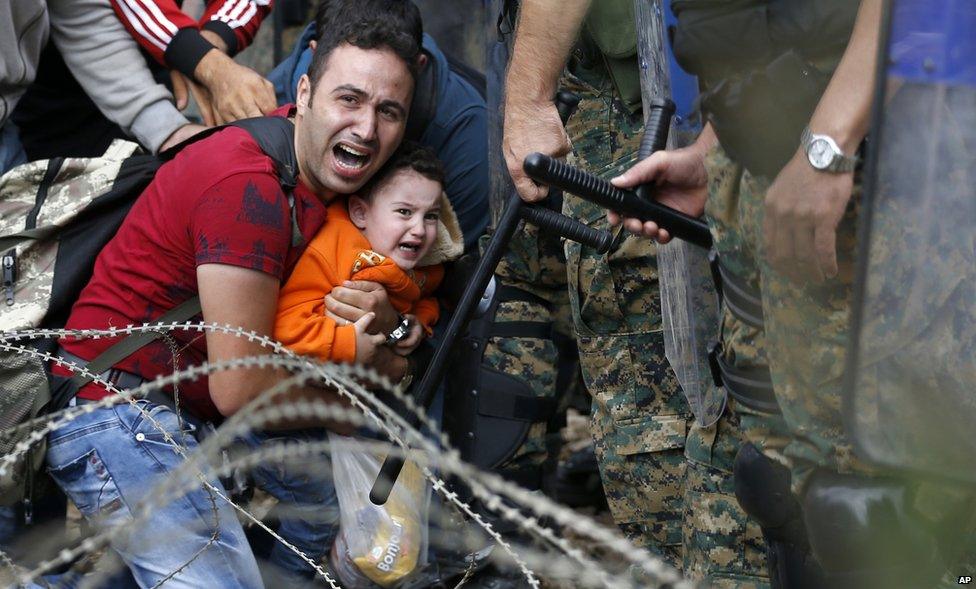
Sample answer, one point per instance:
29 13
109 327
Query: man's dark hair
368 24
410 155
402 15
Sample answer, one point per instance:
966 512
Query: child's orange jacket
338 252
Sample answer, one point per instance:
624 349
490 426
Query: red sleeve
154 24
236 21
243 220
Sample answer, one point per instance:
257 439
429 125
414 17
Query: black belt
120 379
123 380
752 387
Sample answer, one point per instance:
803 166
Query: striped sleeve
153 23
236 21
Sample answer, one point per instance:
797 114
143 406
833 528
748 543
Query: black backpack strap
276 138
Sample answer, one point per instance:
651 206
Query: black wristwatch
400 332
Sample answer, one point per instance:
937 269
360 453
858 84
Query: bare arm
804 206
245 298
546 33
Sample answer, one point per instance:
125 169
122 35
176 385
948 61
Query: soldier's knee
762 488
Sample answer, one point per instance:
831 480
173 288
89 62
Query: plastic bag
381 544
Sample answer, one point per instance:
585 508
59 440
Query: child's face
400 220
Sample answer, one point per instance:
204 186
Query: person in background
100 55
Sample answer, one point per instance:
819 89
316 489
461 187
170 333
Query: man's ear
313 44
358 208
421 61
304 94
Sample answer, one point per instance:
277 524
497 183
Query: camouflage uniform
723 546
639 417
533 263
806 333
805 328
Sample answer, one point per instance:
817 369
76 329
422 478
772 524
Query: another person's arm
804 206
547 30
177 41
199 56
109 66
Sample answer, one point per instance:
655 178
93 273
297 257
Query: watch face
820 154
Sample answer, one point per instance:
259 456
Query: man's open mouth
349 157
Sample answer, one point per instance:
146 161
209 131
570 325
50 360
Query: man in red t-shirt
215 222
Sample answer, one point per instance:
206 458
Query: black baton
637 203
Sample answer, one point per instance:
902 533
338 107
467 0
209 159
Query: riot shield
911 372
689 304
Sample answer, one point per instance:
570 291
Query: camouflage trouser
639 417
805 329
723 546
533 263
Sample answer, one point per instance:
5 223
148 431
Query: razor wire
343 379
287 412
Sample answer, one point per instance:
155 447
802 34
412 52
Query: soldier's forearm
546 32
844 111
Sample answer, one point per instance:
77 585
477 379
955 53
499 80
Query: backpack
55 217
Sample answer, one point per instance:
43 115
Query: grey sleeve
107 63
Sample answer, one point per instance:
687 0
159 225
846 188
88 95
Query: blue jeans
109 461
303 486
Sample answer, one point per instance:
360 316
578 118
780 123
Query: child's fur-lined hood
449 243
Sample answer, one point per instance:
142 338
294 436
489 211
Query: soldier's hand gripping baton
548 221
630 203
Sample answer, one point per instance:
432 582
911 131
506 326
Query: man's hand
803 209
367 343
531 127
413 339
236 92
180 135
680 183
183 87
348 303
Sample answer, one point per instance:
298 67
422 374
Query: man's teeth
352 151
350 158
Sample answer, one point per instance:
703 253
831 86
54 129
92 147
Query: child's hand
366 343
413 339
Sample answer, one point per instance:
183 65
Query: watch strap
399 332
840 164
